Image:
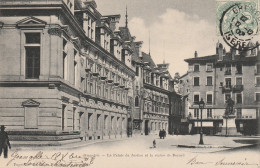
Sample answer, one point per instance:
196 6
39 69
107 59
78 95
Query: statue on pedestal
229 107
229 121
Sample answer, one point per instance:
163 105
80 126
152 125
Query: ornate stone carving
65 99
30 103
76 41
31 22
82 61
55 31
66 30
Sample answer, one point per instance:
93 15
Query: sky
177 28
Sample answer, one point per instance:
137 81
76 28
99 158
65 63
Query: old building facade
215 79
68 73
156 95
65 72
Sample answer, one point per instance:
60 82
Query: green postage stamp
238 23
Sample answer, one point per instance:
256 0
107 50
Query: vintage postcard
129 83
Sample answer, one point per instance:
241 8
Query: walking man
163 133
4 142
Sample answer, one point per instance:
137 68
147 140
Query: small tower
224 51
257 47
217 46
126 18
149 44
220 52
233 53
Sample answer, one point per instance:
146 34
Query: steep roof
126 35
148 58
135 55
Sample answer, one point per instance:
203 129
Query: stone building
155 95
182 88
218 77
161 103
134 50
66 72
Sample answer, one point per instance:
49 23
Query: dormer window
70 5
89 27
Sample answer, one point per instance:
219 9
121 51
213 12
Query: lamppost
201 106
198 121
226 124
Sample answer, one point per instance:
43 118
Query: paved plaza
139 151
170 143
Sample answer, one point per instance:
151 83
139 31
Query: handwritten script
57 159
222 162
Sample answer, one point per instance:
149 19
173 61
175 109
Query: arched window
136 101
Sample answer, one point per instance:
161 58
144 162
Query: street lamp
201 106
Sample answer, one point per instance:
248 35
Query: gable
31 103
31 22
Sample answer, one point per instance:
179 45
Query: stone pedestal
229 126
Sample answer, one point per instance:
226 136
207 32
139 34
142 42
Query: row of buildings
69 73
216 78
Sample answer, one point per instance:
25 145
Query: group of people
162 134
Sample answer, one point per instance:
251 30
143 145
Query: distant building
215 78
183 84
156 95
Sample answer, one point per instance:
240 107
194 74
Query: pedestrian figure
160 134
154 143
163 133
4 142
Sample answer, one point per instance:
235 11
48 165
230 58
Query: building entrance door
146 127
82 126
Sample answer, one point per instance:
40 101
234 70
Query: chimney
195 54
217 46
233 53
253 52
220 52
257 47
248 52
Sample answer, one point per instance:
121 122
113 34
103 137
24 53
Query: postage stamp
238 23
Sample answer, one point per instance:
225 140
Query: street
138 151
